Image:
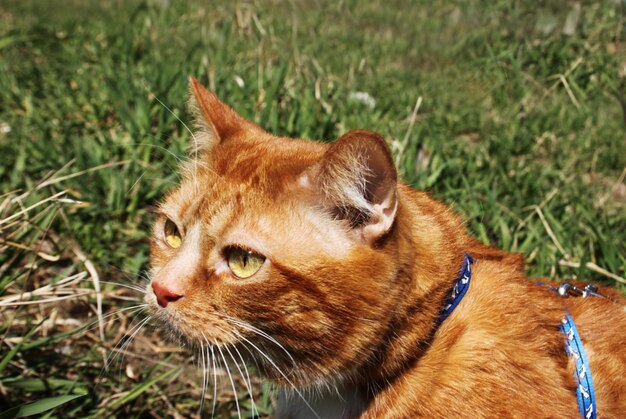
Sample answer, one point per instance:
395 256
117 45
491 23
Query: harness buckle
568 290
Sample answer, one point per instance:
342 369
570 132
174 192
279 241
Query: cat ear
215 120
358 180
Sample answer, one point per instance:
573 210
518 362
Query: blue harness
573 344
574 347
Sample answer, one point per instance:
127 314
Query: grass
521 127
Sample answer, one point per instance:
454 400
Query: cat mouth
181 324
191 330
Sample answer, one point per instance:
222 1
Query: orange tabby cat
318 263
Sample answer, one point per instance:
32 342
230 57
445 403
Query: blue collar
573 344
460 287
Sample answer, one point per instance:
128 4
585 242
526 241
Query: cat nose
164 296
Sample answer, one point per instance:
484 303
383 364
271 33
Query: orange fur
357 268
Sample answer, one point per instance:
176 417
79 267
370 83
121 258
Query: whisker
232 382
136 182
126 274
259 332
145 275
213 358
248 384
94 323
281 373
128 342
179 159
122 344
254 408
204 376
132 287
193 136
256 363
97 322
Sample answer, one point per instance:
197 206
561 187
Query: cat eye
172 235
243 263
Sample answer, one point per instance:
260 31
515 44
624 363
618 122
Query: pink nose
163 295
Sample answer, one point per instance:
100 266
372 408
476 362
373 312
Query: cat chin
306 378
180 332
285 373
327 401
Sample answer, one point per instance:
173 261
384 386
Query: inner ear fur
358 180
215 121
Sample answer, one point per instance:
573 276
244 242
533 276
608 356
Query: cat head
280 247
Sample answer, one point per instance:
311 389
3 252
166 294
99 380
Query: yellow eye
244 263
172 235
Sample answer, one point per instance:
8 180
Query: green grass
521 128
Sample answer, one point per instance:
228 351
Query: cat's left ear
358 180
215 120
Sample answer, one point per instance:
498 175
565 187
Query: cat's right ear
215 121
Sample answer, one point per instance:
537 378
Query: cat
314 261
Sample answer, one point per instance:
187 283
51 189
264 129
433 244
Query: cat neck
429 242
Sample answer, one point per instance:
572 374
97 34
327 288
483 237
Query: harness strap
574 348
573 344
